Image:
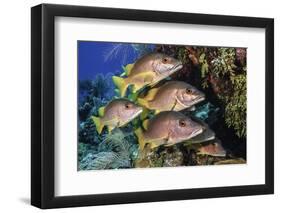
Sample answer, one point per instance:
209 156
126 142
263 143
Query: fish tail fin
142 102
99 124
141 140
121 84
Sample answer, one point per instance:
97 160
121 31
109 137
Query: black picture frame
43 117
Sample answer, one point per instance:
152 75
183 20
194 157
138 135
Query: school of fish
168 126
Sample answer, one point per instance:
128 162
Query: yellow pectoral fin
146 76
113 122
148 79
157 142
141 80
151 94
170 141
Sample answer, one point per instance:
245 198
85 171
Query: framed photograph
139 106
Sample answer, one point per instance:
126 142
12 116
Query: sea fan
123 51
115 151
118 51
117 141
101 160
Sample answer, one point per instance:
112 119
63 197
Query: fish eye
188 91
165 60
182 123
128 105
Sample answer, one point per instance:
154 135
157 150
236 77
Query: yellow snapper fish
167 128
116 113
173 95
147 71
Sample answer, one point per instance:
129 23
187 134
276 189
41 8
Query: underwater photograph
160 105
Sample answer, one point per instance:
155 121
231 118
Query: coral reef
165 157
220 70
180 155
92 95
235 109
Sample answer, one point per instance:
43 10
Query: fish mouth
193 134
207 135
173 70
196 132
199 99
176 68
195 101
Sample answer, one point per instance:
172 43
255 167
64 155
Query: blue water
106 57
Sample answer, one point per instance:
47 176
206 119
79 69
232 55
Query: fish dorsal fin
145 124
101 111
151 94
128 68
